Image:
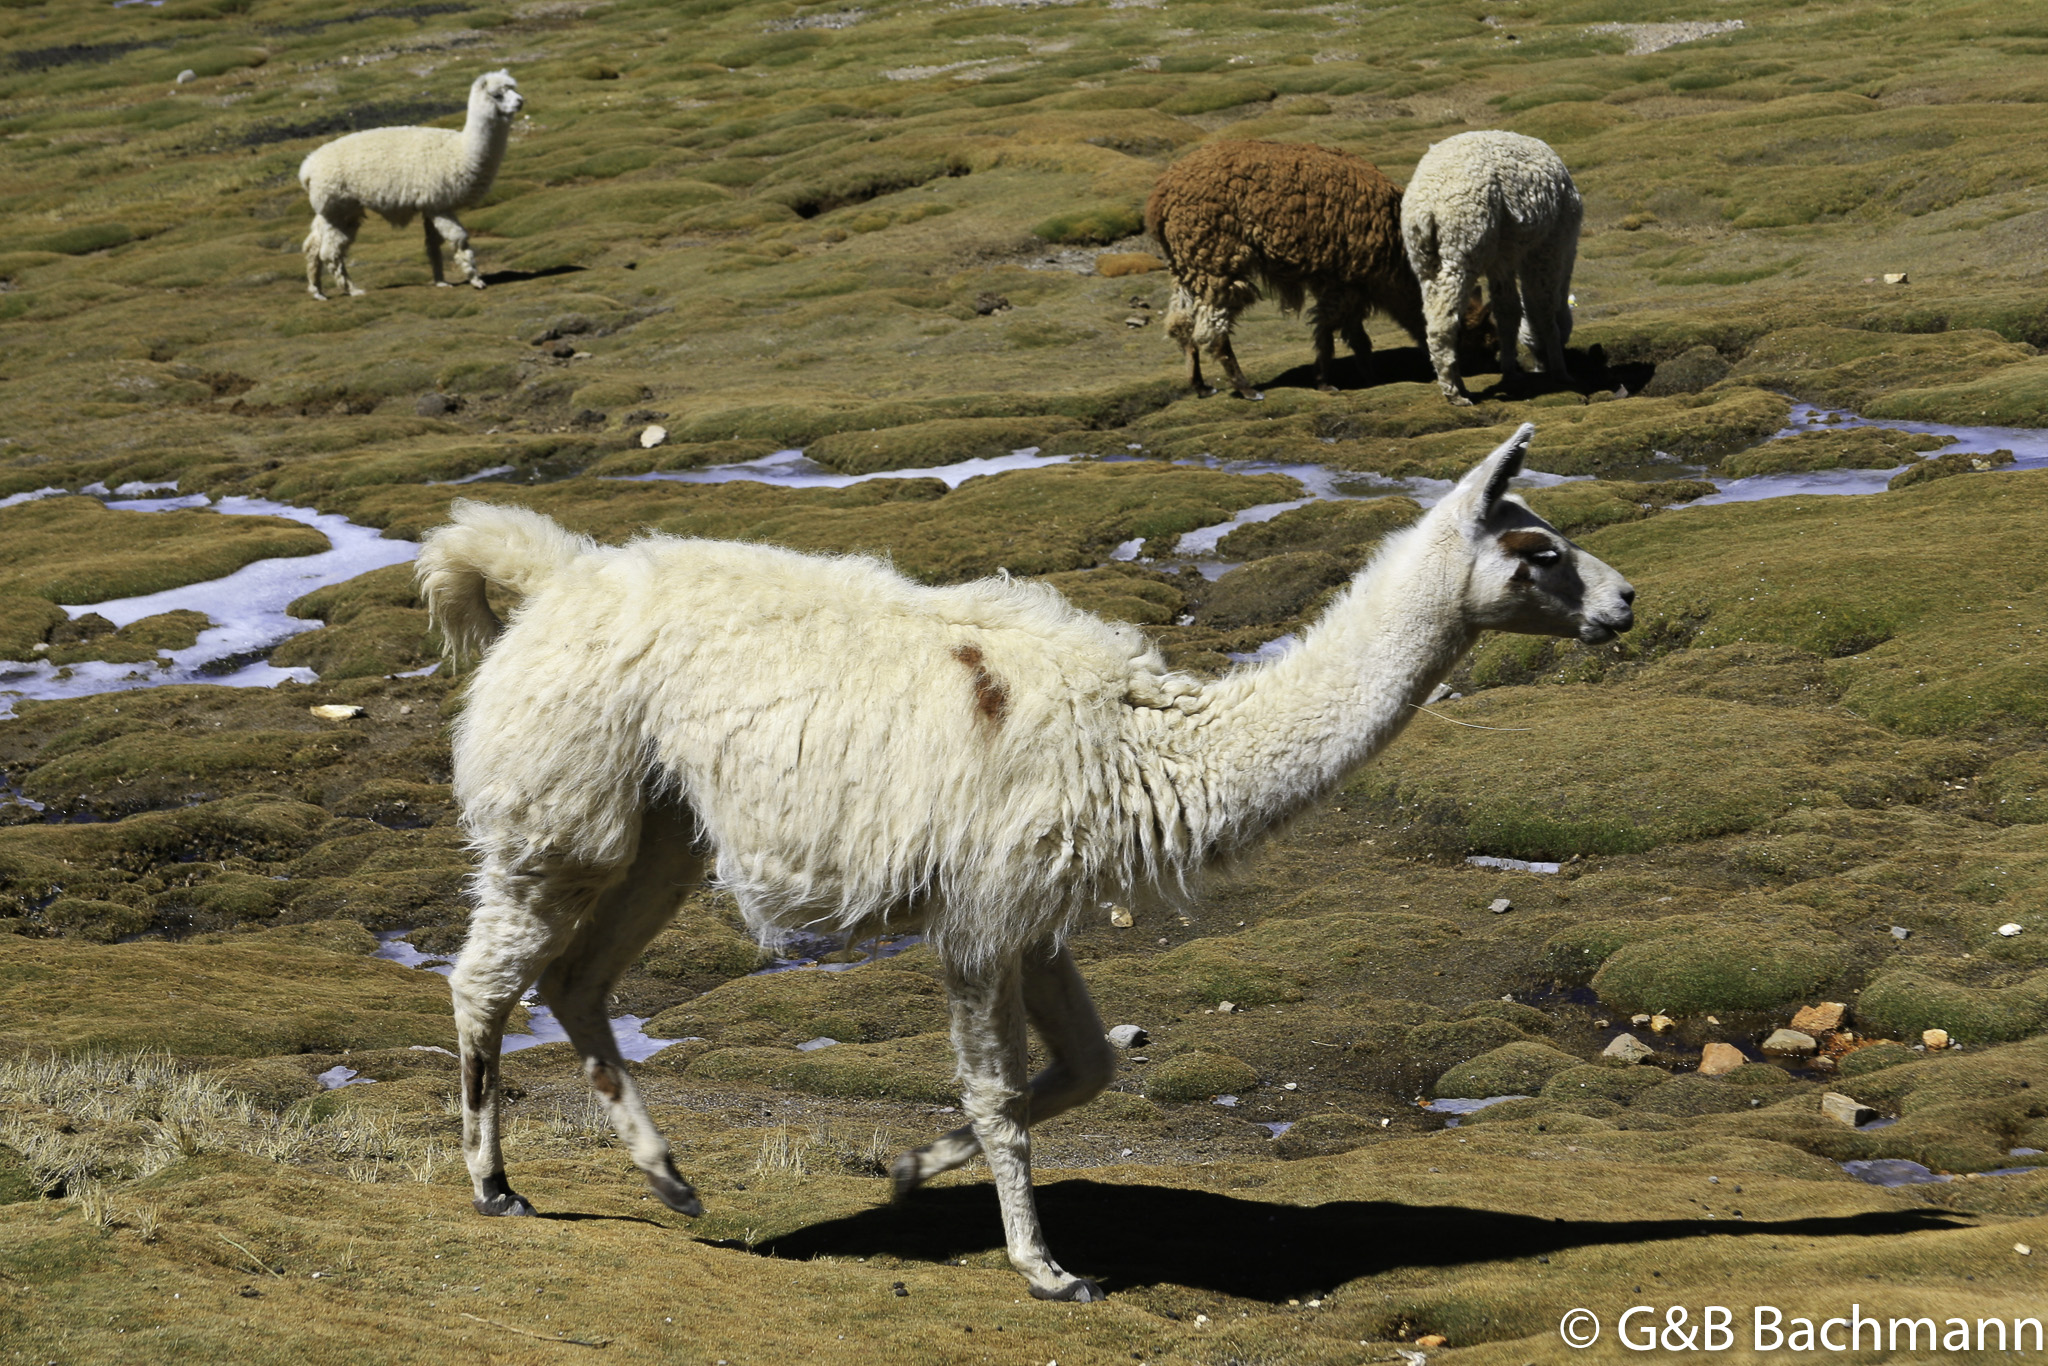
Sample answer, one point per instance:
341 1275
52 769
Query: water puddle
2028 445
809 950
1512 865
245 607
793 470
1457 1108
338 1076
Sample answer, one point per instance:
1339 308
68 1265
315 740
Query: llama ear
1488 481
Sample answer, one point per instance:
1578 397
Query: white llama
846 748
1500 206
399 172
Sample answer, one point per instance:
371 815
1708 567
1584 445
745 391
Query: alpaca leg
1546 293
988 1035
458 237
1223 352
577 984
1082 1064
433 248
1505 293
525 916
326 247
1443 307
1180 326
1326 347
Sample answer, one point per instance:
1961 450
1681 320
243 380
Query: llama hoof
1080 1290
1458 400
502 1202
1251 395
904 1177
476 282
356 293
318 295
678 1194
1326 388
442 284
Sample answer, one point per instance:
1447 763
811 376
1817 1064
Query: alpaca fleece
1297 220
849 749
399 172
1500 207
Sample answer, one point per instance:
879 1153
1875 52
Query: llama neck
483 142
1276 738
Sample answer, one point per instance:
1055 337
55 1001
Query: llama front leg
1082 1064
433 248
988 1035
577 984
525 917
458 237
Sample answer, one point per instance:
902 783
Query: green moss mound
1705 969
1199 1076
944 441
1512 1069
76 550
1347 529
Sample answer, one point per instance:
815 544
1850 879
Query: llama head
1525 576
498 92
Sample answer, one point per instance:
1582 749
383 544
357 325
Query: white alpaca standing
1502 207
852 750
399 172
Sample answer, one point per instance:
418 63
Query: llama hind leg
1057 1002
326 247
1443 310
433 249
988 1035
1505 294
525 916
577 983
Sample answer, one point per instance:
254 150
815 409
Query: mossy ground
871 234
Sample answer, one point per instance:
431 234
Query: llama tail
487 544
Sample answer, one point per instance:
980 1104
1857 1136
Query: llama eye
1546 558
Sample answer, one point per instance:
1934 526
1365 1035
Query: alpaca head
497 94
1525 576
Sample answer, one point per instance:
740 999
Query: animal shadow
1150 1235
513 277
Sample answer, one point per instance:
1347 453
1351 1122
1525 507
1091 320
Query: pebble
1129 1036
2010 928
2023 1249
1501 905
1120 917
1849 1110
653 436
1225 1008
1719 1059
1135 321
1934 1038
1434 1340
1901 933
1290 1086
1662 1024
1821 1019
187 76
336 711
1639 1019
1790 1041
1895 277
813 1045
1627 1048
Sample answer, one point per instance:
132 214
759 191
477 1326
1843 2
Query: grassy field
901 235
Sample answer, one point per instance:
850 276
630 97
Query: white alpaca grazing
399 172
846 748
1502 207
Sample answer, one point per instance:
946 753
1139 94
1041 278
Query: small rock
813 1045
562 350
1600 1024
1225 1007
1821 1019
1901 933
1790 1042
653 437
1638 1019
1227 1102
1934 1038
1895 277
1719 1059
1120 917
187 76
337 711
1135 321
898 1289
987 304
1627 1048
1713 1019
1431 1341
1129 1036
435 405
2010 928
1849 1110
1662 1024
1290 1086
2023 1249
1501 905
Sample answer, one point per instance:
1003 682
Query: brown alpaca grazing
1232 218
